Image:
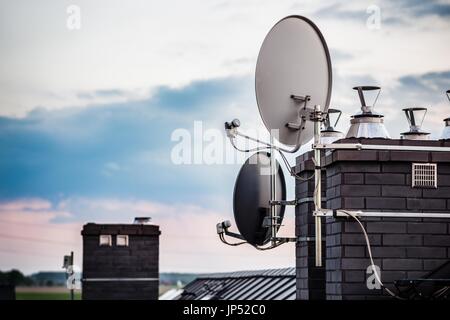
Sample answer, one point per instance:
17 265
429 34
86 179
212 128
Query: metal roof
270 284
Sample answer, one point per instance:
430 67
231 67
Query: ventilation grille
424 175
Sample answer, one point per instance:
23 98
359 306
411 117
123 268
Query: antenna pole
318 186
273 192
72 295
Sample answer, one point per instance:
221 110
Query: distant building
49 278
271 284
120 261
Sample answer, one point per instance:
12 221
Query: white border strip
342 213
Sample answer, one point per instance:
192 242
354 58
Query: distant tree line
40 279
16 278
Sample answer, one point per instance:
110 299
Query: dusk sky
87 116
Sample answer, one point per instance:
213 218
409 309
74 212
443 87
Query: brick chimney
120 261
372 180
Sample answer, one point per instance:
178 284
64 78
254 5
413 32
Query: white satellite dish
293 63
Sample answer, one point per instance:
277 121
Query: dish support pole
318 187
273 192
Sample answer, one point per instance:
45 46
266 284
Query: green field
59 293
46 296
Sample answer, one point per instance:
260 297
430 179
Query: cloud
30 239
120 149
430 83
33 239
420 8
393 13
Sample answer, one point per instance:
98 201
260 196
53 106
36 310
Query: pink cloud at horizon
33 241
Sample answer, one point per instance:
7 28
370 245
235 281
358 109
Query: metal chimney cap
368 88
419 135
415 109
370 114
142 220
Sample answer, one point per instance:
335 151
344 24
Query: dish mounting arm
304 115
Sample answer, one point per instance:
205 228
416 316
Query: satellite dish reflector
293 60
251 199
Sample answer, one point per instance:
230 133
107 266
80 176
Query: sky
90 116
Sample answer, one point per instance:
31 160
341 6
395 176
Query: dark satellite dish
252 196
293 61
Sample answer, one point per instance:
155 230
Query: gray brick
426 252
352 226
349 289
385 178
410 155
358 239
443 180
402 264
359 167
437 240
385 203
353 178
415 274
388 252
393 167
391 276
431 264
334 252
331 193
352 203
355 155
400 191
426 204
333 264
333 240
402 239
335 203
354 251
360 191
386 227
356 263
354 275
440 156
440 192
336 180
335 276
424 227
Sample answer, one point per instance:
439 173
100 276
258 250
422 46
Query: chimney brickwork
377 181
120 272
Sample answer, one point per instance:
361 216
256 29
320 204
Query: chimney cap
142 220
